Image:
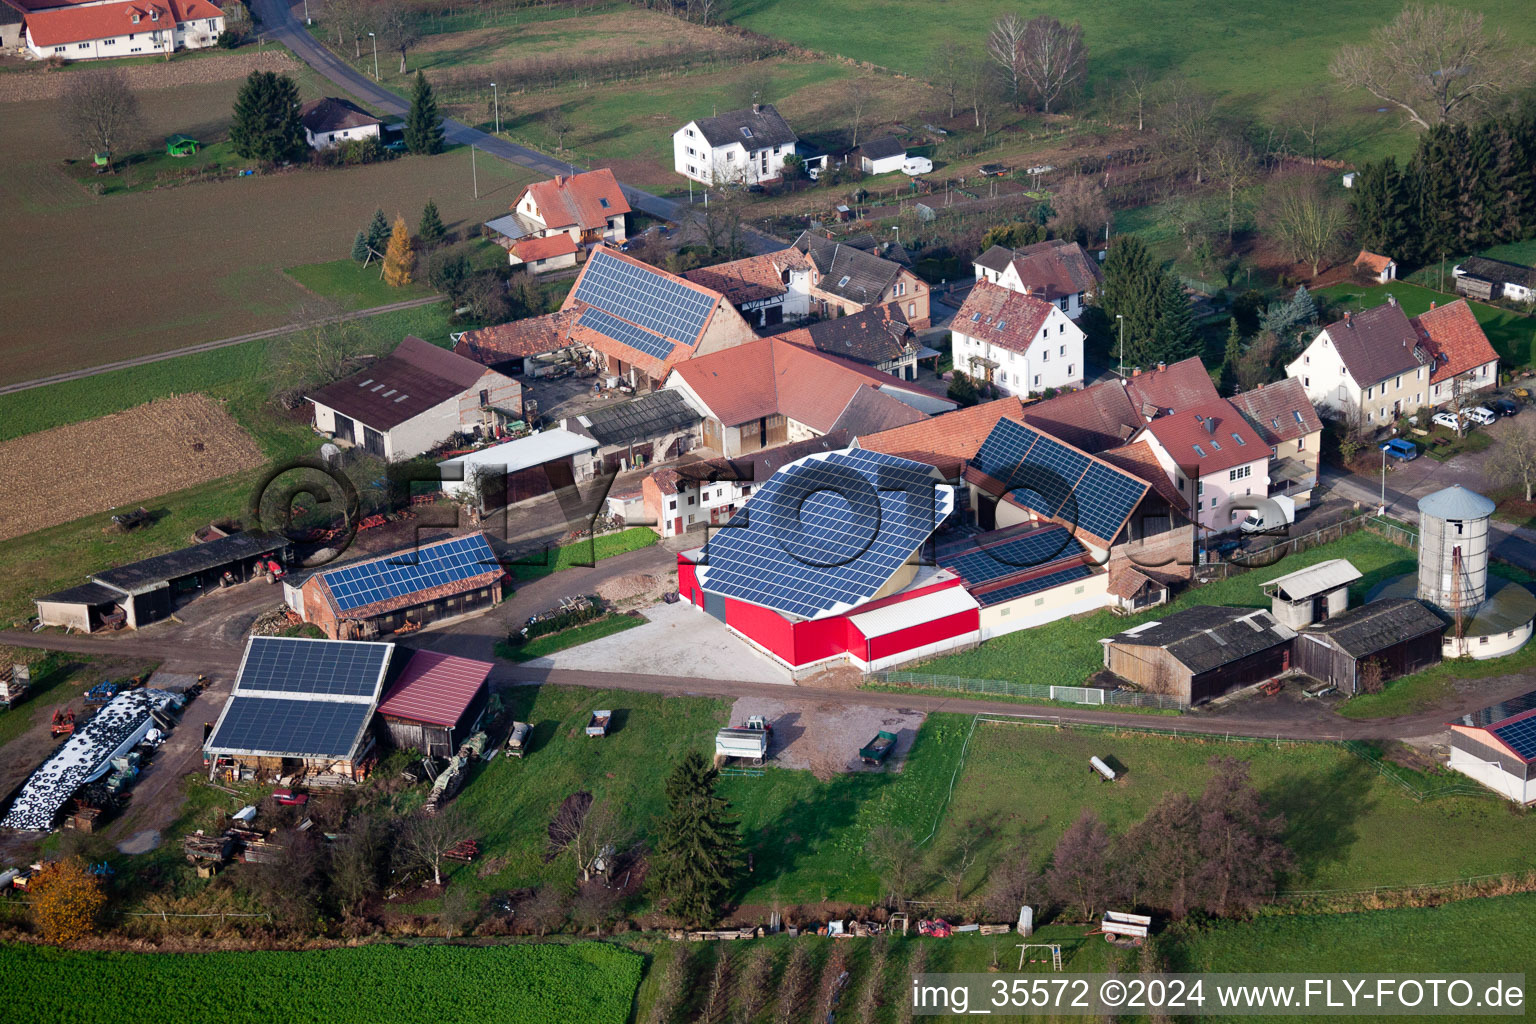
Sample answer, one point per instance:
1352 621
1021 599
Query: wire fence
1089 695
1430 789
1267 557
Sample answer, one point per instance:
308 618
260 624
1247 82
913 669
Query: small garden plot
62 474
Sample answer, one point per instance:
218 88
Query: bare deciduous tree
426 839
962 857
100 110
1308 219
1053 59
1231 163
1136 90
752 984
559 122
1081 209
1435 64
857 104
1513 461
546 910
323 347
1312 120
897 859
1188 121
950 62
1004 47
586 828
398 26
1077 878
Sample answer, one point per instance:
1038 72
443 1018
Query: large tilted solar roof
1059 481
296 697
826 532
430 565
994 558
639 306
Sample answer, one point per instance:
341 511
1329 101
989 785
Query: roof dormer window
746 132
154 14
135 17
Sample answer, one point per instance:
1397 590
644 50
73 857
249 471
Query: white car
1445 419
1482 415
915 165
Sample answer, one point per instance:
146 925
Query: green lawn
1066 652
1513 336
806 836
1348 827
1261 64
354 285
582 553
543 646
525 983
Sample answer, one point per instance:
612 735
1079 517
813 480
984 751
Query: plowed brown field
129 457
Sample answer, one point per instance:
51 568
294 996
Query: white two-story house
1379 364
1022 344
1057 271
85 31
739 147
1211 454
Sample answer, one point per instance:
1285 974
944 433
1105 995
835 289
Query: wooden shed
1402 635
1201 652
1314 594
436 703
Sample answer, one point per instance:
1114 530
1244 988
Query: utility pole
495 98
307 19
473 174
375 55
1121 317
1383 509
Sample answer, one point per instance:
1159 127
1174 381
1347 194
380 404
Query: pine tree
1479 200
1231 357
266 122
360 248
1130 290
1438 192
1174 336
1303 309
423 125
431 230
399 259
1382 212
378 231
699 850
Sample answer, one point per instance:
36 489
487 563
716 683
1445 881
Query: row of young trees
1467 186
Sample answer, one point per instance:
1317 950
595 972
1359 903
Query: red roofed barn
436 703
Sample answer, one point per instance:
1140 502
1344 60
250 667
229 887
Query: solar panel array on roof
291 728
643 296
365 583
292 665
1058 480
825 533
1484 717
627 333
1014 591
1520 736
986 562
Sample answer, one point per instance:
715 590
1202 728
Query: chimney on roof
559 180
1261 386
1136 371
1431 303
1346 319
757 108
1391 299
1161 367
1210 424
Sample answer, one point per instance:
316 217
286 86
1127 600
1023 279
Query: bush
352 153
66 901
228 40
557 622
962 389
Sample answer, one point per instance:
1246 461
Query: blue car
1403 451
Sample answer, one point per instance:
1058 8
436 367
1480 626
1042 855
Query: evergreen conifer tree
423 125
1438 192
400 258
360 248
698 852
1231 357
1175 332
1303 309
1382 212
266 122
1130 290
431 230
378 231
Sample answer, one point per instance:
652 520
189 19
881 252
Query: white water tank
1453 549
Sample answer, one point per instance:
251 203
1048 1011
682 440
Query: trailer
878 749
749 741
517 741
1119 926
597 725
13 685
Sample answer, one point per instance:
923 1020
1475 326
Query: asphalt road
278 22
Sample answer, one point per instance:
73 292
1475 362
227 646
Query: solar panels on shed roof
430 565
285 727
995 559
338 668
1024 588
644 296
627 333
1519 735
826 532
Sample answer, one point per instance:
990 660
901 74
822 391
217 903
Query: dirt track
58 475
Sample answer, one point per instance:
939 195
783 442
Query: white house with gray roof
740 147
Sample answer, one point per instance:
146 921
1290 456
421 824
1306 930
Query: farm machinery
14 682
63 723
125 522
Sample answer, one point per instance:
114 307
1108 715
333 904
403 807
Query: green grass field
580 983
544 646
582 553
354 285
1066 652
1262 62
1513 336
1349 827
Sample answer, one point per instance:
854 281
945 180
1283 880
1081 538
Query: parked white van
915 165
1481 415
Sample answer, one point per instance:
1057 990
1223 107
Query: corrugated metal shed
435 688
904 614
1314 579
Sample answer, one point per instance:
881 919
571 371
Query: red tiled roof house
589 208
90 31
1022 344
1212 455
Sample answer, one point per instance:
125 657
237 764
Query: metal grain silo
1453 549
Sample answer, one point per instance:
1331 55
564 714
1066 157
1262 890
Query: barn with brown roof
531 347
413 399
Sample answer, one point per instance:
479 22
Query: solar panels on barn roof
826 532
1033 586
278 727
1519 734
988 560
1059 481
337 668
430 565
643 296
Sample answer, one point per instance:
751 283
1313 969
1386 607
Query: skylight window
745 131
1198 450
975 318
1273 422
1215 444
366 382
1240 442
603 203
844 282
1297 414
1001 324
